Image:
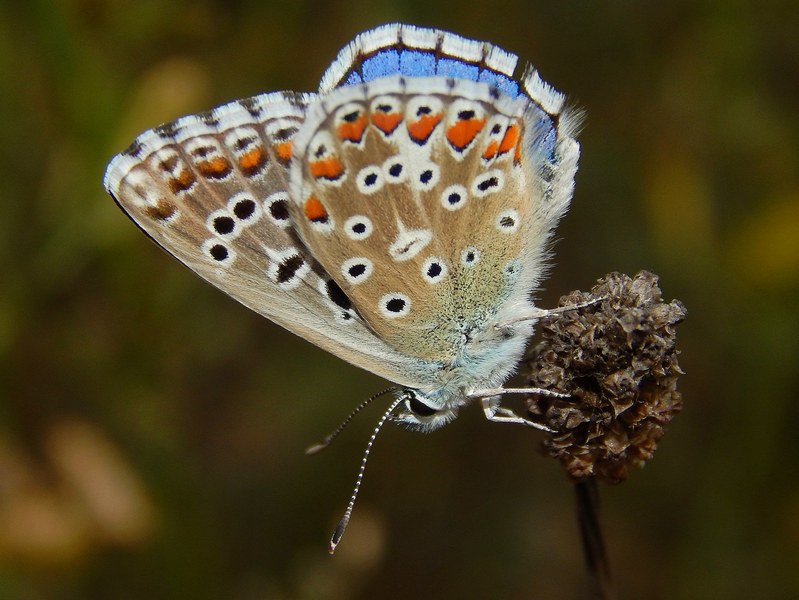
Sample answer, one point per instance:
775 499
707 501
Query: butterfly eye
422 413
419 408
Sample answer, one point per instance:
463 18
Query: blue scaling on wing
503 83
382 64
423 63
547 144
353 78
453 67
417 63
396 49
544 137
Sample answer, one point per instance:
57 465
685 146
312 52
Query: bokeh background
152 430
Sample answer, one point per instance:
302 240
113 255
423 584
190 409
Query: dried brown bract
617 361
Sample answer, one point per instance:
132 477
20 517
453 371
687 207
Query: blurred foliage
151 430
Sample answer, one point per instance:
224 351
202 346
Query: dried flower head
616 360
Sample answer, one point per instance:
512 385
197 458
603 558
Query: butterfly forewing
212 190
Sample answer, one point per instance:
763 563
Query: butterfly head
420 411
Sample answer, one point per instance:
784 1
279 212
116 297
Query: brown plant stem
596 557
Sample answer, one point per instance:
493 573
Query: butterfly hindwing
411 195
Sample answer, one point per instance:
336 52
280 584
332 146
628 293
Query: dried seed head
617 361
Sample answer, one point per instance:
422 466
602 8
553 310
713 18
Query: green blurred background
152 430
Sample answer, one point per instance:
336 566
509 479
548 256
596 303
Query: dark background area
152 430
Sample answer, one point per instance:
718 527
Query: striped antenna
342 525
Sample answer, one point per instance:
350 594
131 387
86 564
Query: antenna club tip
315 448
337 534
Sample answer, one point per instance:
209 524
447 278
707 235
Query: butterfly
400 217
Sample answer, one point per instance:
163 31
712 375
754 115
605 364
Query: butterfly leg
500 414
539 313
562 309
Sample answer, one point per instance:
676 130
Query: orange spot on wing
510 140
421 129
161 211
462 133
491 150
182 181
215 168
352 131
284 151
386 122
328 168
315 210
252 161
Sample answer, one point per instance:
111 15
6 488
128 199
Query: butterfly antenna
342 525
318 447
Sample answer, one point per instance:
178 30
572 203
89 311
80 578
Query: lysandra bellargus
399 218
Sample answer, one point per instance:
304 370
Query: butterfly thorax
485 361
